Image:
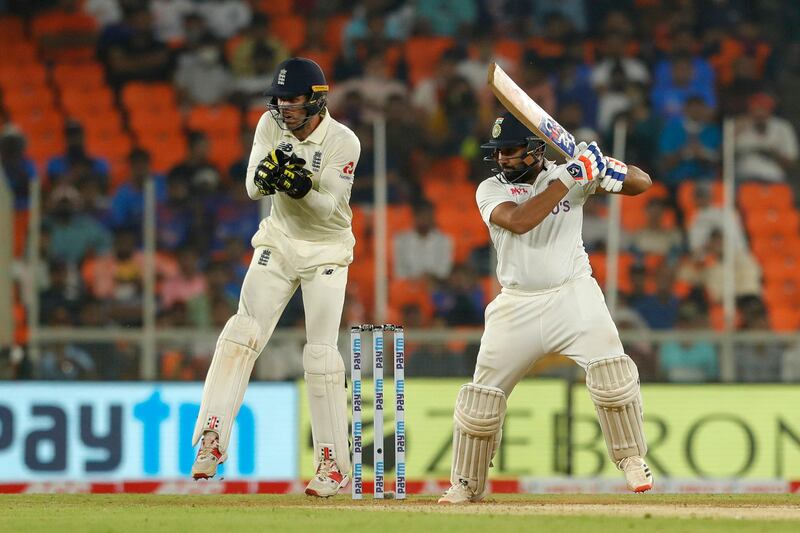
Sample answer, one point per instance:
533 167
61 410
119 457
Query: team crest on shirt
316 161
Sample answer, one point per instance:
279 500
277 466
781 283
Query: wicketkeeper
304 160
549 303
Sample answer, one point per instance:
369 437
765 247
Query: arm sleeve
261 147
336 179
489 195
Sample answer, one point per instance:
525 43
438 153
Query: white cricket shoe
637 473
208 457
327 481
460 493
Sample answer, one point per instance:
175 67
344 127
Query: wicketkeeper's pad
327 399
613 385
238 346
478 421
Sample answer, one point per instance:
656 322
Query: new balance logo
264 258
327 272
284 146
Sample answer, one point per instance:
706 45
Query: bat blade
530 113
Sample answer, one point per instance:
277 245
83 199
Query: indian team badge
497 128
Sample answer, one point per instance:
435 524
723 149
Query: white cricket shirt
331 153
549 255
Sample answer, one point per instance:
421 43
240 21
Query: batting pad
238 346
478 421
614 388
327 399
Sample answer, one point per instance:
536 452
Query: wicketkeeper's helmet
295 77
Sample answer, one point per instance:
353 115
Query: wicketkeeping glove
268 169
585 167
614 175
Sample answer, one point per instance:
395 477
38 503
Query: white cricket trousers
521 327
280 265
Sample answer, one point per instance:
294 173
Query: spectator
574 85
706 270
235 216
189 282
205 306
766 145
201 76
447 17
533 79
65 32
757 362
175 216
138 55
404 136
74 235
613 76
709 217
746 83
659 310
671 96
258 43
690 145
18 169
430 92
225 18
595 225
655 237
196 170
423 251
570 115
689 362
375 87
168 19
127 204
459 300
62 292
248 89
60 166
65 361
643 131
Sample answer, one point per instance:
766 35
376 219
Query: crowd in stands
99 98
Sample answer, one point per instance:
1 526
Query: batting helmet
508 132
299 76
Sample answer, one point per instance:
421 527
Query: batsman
304 160
549 304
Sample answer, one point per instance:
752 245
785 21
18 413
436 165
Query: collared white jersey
331 153
552 253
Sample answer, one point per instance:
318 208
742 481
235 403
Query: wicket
357 407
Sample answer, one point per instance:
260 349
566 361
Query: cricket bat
530 113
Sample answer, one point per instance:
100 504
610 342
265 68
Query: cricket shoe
637 473
209 457
327 481
460 493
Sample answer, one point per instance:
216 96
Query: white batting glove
585 167
613 176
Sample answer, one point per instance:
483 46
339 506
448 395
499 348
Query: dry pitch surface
572 513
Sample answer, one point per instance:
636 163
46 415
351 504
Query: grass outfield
418 514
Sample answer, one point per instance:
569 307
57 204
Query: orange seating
79 75
28 76
34 121
422 54
45 144
109 146
146 122
18 53
598 263
634 213
759 196
686 195
11 30
491 288
448 169
784 318
222 119
335 31
765 246
464 226
20 231
23 100
361 279
399 218
290 29
253 116
164 152
770 221
324 59
511 49
153 96
276 8
442 191
225 152
403 292
106 124
81 103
